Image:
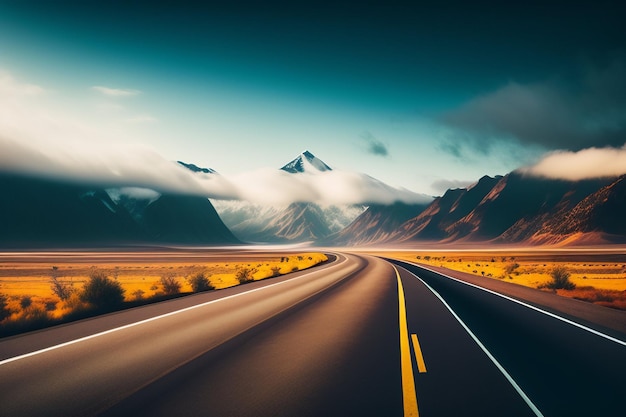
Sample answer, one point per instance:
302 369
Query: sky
422 97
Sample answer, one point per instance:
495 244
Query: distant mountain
376 224
296 222
598 218
518 205
41 212
434 222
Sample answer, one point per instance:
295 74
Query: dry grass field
599 277
25 279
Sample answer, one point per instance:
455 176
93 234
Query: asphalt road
354 337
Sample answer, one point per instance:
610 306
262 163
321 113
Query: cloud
375 146
142 118
115 92
584 164
442 185
590 111
111 165
271 186
42 140
10 87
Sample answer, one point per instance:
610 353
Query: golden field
25 281
599 277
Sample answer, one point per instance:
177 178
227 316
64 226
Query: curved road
358 336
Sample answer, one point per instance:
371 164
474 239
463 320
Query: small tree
170 284
199 282
245 275
101 291
560 279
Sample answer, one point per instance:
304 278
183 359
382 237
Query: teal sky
420 97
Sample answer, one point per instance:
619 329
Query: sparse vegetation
35 295
603 280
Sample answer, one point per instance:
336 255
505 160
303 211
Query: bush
560 279
509 268
101 291
199 282
275 271
170 284
245 275
4 308
60 289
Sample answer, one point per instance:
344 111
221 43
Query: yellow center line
409 396
421 365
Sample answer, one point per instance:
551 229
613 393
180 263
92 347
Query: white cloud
43 140
584 164
115 92
142 118
10 87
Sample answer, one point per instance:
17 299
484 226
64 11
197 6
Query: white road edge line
504 372
138 323
532 307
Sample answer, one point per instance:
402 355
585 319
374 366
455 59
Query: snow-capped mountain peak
306 162
195 168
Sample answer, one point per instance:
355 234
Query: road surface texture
357 336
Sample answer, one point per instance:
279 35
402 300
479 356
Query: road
358 336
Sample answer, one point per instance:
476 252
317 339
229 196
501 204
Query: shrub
138 294
275 271
245 275
101 291
26 302
199 282
170 284
510 267
295 269
4 308
560 279
60 289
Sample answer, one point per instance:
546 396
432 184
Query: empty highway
357 336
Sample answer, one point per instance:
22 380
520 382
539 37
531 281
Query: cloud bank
584 164
37 140
588 112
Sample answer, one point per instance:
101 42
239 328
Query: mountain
518 205
434 222
43 212
296 222
376 224
598 218
306 162
510 209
